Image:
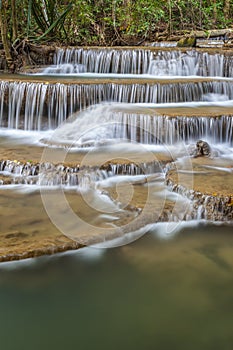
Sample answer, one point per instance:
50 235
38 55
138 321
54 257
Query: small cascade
22 105
48 174
143 61
66 68
192 63
39 106
213 129
162 44
132 168
214 208
106 60
205 207
102 124
56 175
17 168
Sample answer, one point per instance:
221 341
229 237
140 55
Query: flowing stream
85 148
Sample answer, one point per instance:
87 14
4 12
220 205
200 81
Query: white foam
25 136
212 103
152 76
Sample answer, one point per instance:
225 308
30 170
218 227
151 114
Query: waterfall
102 123
142 61
106 60
48 174
191 63
207 207
22 105
39 106
113 125
161 129
133 169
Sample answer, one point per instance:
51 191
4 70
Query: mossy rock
187 42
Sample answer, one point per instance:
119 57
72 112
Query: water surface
151 294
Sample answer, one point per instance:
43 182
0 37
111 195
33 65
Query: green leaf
55 23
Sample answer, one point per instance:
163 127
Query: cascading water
105 60
136 100
22 105
100 124
48 174
39 106
191 63
142 61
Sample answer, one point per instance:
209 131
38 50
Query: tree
4 27
226 9
14 20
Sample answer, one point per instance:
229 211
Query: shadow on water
211 252
151 294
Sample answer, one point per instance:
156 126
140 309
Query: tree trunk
3 27
215 14
226 9
170 29
127 11
14 21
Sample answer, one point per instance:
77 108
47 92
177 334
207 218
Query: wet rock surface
209 185
25 238
208 193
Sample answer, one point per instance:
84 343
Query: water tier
39 106
141 61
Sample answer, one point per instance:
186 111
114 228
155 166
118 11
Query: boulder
187 42
202 149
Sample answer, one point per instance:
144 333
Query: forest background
105 22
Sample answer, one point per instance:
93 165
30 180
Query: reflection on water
152 294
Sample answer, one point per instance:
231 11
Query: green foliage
48 18
109 22
146 16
